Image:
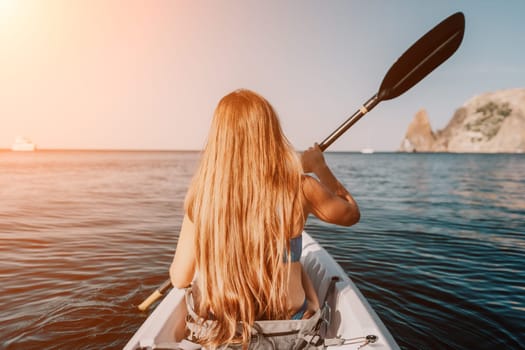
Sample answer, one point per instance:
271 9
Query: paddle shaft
155 295
367 107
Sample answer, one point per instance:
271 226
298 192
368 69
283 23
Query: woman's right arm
327 198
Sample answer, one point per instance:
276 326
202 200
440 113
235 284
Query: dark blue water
440 249
86 236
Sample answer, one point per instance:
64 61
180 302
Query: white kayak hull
353 318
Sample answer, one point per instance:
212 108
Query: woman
245 212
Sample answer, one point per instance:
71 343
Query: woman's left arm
182 269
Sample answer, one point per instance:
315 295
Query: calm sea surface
86 236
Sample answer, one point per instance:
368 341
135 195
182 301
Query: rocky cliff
490 123
419 136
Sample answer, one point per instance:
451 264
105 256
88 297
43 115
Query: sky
115 74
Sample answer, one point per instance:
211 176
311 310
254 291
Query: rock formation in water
490 123
419 136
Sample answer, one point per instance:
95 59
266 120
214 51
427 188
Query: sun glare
8 8
6 4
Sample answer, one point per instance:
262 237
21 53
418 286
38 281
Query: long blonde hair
244 201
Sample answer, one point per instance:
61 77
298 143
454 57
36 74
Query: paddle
164 287
426 54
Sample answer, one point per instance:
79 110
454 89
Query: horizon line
154 150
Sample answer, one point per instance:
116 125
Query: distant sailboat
23 144
367 150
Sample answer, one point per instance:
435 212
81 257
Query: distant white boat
23 144
367 150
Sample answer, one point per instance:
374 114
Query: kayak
353 321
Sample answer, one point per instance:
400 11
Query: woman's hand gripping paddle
432 49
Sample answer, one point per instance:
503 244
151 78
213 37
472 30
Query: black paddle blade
432 49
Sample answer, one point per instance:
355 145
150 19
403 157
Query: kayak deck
353 319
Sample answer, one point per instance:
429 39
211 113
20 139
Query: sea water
439 252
